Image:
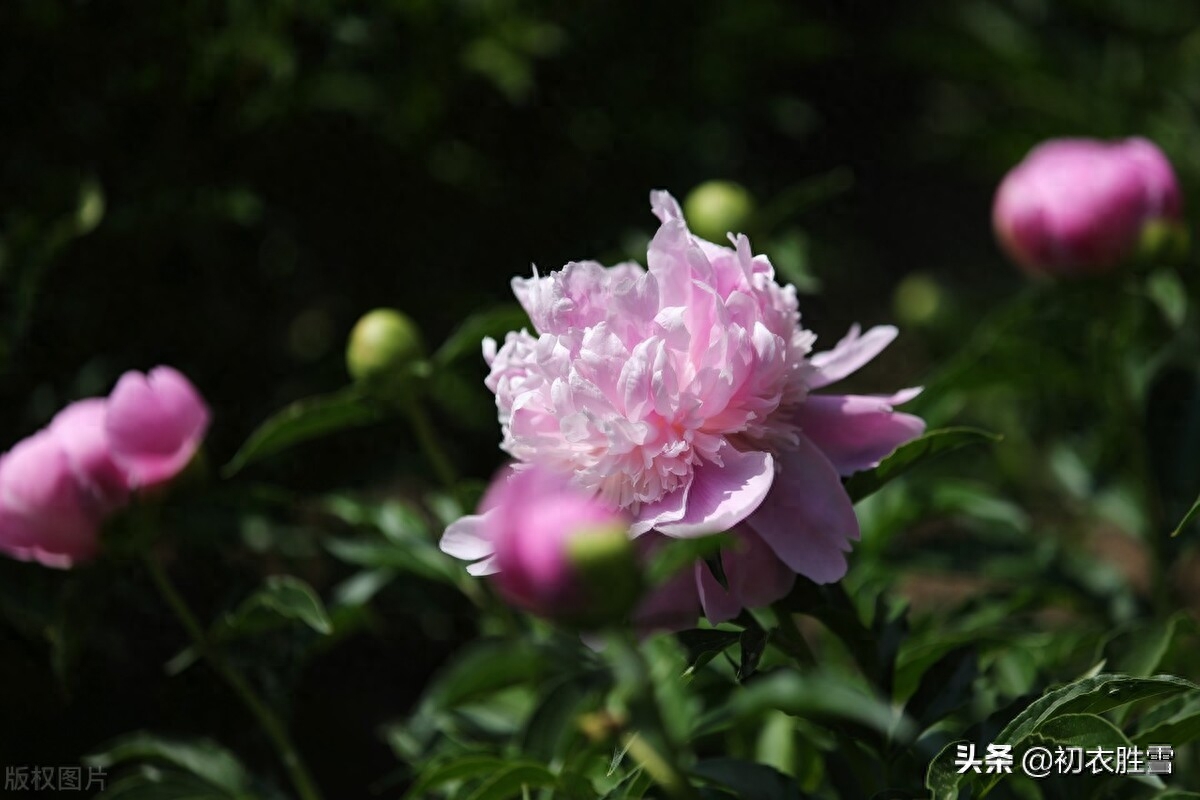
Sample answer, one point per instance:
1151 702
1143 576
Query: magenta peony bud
1081 206
58 486
45 514
155 425
561 553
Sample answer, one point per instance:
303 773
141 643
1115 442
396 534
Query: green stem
267 720
429 443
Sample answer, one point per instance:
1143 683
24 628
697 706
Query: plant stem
430 444
270 723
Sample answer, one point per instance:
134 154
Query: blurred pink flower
681 395
58 486
534 521
1079 206
155 425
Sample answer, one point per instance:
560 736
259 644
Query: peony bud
715 209
561 553
45 514
155 424
382 342
1081 206
58 486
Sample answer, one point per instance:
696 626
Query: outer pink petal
464 538
718 604
668 508
80 429
856 432
849 355
156 423
43 516
722 496
756 575
674 606
808 519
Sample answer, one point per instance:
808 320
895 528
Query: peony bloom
58 486
684 396
1080 206
155 425
560 552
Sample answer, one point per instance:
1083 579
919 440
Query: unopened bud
382 344
1082 206
716 208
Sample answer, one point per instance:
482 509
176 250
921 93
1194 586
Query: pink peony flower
1079 206
560 552
155 425
45 515
682 395
58 486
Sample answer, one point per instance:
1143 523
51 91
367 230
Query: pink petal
722 496
668 508
156 423
856 432
718 604
43 513
849 355
464 538
756 575
80 429
807 519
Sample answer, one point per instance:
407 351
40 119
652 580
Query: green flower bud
382 344
716 208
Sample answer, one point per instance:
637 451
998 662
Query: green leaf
1087 731
283 598
511 782
907 456
1093 695
817 695
153 784
678 554
1139 650
468 338
203 758
1176 722
703 645
945 687
460 769
1169 294
304 420
748 780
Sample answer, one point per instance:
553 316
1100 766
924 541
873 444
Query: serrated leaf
303 421
203 758
907 456
468 338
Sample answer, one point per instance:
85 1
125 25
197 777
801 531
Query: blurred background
227 186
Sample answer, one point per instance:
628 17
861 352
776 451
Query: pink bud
561 553
155 424
1079 206
45 515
